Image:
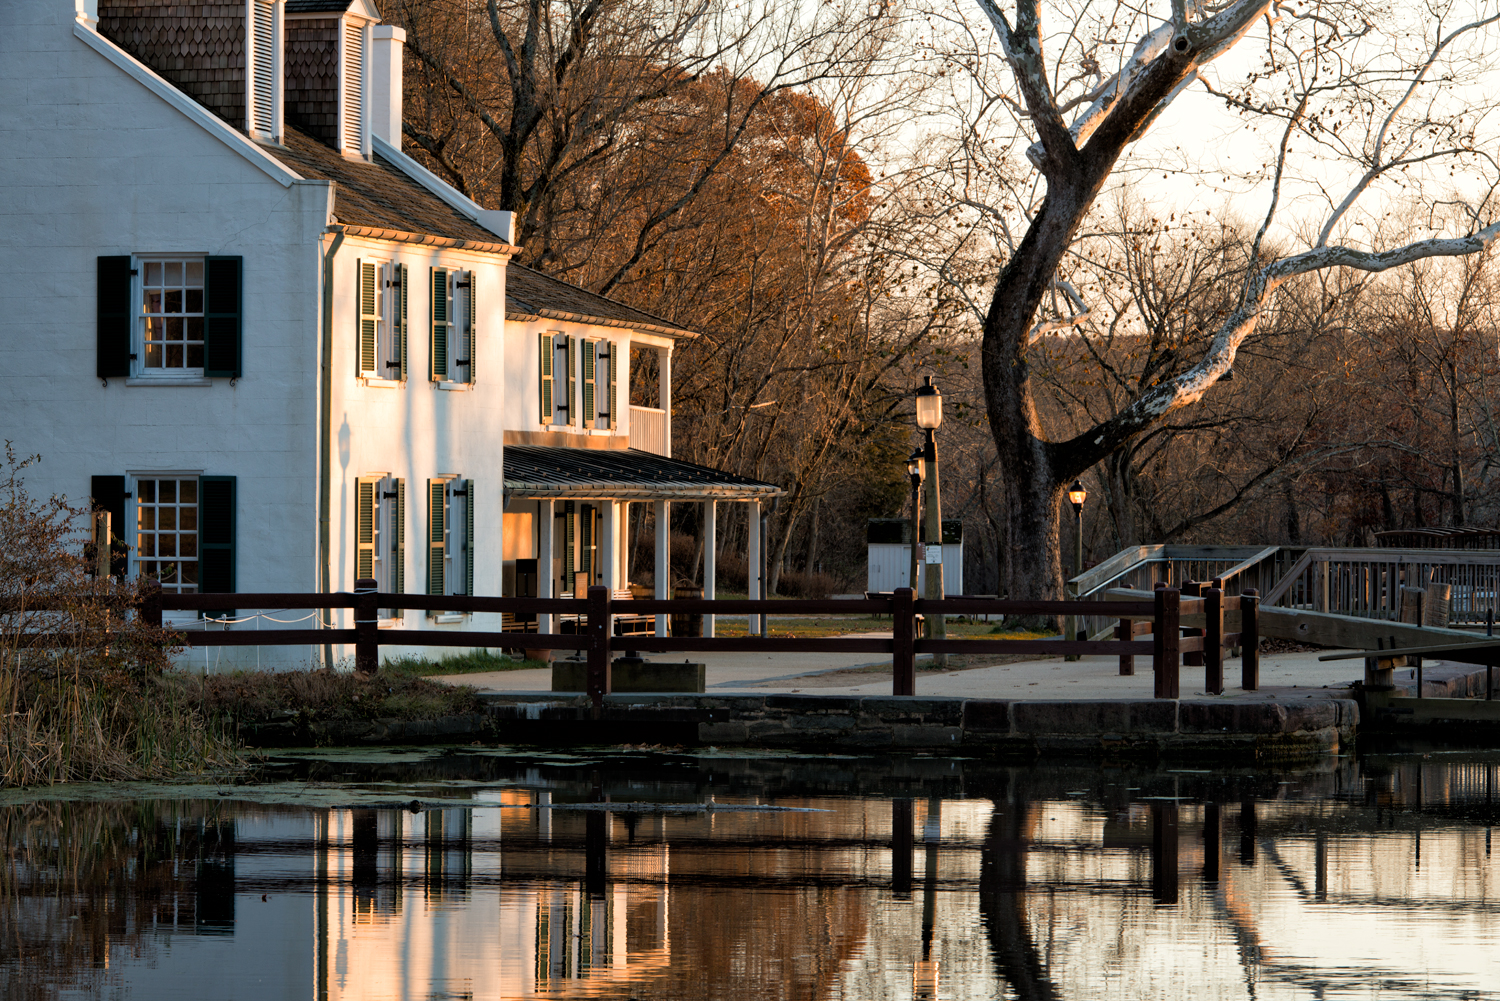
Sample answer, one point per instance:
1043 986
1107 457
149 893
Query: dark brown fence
1160 616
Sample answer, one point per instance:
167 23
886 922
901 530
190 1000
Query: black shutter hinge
460 361
459 493
134 271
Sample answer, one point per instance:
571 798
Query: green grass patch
473 662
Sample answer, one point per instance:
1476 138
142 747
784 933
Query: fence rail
1159 613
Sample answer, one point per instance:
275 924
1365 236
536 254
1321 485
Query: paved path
1290 675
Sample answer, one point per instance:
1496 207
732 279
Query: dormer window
263 110
329 62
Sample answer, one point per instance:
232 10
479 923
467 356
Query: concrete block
831 723
1310 715
987 715
729 732
1070 717
1155 716
641 676
813 703
1231 718
926 736
948 711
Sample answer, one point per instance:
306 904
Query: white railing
648 430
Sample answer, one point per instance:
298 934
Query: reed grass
84 690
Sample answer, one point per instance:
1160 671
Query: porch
566 518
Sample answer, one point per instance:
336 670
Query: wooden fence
1160 615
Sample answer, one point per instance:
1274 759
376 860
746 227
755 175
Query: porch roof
625 474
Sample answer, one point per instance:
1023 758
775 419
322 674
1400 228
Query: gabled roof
376 194
586 473
531 294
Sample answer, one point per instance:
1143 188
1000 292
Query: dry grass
83 691
254 697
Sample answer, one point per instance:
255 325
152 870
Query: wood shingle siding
198 47
312 77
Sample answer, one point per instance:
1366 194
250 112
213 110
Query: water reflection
723 877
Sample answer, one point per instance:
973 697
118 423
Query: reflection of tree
80 881
1002 902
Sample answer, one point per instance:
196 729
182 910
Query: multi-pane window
166 535
452 325
381 534
450 531
171 316
382 320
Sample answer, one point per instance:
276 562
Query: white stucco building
278 350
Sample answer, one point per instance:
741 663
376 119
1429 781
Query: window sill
165 382
448 618
454 387
382 383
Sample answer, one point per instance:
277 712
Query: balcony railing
648 430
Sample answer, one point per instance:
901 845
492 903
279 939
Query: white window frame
564 378
133 540
139 264
387 371
456 532
460 334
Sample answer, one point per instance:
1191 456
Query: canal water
469 874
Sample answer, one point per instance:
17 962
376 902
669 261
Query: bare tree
1340 87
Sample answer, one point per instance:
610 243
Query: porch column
544 525
710 546
663 562
752 557
609 544
664 395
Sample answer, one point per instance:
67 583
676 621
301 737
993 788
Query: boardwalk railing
1160 615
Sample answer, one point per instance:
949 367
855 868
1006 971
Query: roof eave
598 321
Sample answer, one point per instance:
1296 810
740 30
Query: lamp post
929 419
915 472
1076 496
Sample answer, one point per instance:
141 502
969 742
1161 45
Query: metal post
366 625
916 532
598 626
765 575
903 646
1077 572
752 561
933 516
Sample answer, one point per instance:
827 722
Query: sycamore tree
1334 110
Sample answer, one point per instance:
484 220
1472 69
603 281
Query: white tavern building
284 355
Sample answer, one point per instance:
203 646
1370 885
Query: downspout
325 446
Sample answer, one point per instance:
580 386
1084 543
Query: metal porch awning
533 471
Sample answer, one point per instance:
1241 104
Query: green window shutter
586 542
108 493
364 528
400 303
397 583
439 324
573 380
437 535
368 364
544 353
468 488
113 320
614 396
216 534
471 348
590 380
222 324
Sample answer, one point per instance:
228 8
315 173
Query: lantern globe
1077 495
929 406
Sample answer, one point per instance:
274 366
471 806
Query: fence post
1125 630
1213 641
1164 637
366 626
1192 658
1250 640
903 643
598 618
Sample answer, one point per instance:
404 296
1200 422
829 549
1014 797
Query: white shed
889 549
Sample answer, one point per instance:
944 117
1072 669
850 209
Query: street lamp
1076 496
915 469
929 419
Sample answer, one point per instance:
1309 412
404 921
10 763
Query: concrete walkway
1283 676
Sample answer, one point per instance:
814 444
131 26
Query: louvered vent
353 106
263 71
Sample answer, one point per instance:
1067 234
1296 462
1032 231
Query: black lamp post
1076 496
929 419
915 471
